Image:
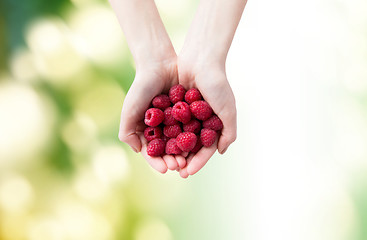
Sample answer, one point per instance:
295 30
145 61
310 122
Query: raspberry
193 126
151 133
192 95
207 137
186 141
172 131
176 93
168 118
153 117
156 147
201 110
172 148
181 112
197 147
161 101
213 123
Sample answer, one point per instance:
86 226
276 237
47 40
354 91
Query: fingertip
170 162
163 170
192 170
183 173
181 161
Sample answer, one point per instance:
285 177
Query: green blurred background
297 171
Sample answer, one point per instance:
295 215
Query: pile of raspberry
180 122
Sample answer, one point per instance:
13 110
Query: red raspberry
186 141
168 118
193 126
176 93
151 133
172 131
197 147
153 117
172 148
213 123
165 138
181 112
207 137
201 110
161 101
156 147
192 95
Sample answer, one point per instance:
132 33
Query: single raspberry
177 93
207 137
193 126
169 120
197 147
151 133
172 131
161 101
213 123
153 117
192 95
201 110
186 141
181 112
156 147
165 138
172 148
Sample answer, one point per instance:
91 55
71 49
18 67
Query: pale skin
200 64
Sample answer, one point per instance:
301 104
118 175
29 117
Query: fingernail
224 150
134 149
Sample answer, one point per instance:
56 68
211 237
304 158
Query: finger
181 161
201 158
229 131
170 162
184 154
132 140
183 171
156 163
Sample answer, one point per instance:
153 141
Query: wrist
199 58
153 56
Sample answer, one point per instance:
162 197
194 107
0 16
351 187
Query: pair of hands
158 74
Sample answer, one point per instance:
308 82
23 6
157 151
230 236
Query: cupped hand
151 79
210 78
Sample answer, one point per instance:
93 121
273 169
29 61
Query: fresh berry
177 93
192 95
213 123
197 147
181 112
172 131
153 117
165 138
193 126
172 148
207 137
186 141
161 101
169 120
156 147
151 133
201 110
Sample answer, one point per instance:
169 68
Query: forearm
213 28
143 29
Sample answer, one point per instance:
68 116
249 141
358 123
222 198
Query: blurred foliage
64 71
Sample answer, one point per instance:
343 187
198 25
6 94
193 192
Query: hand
151 79
210 78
